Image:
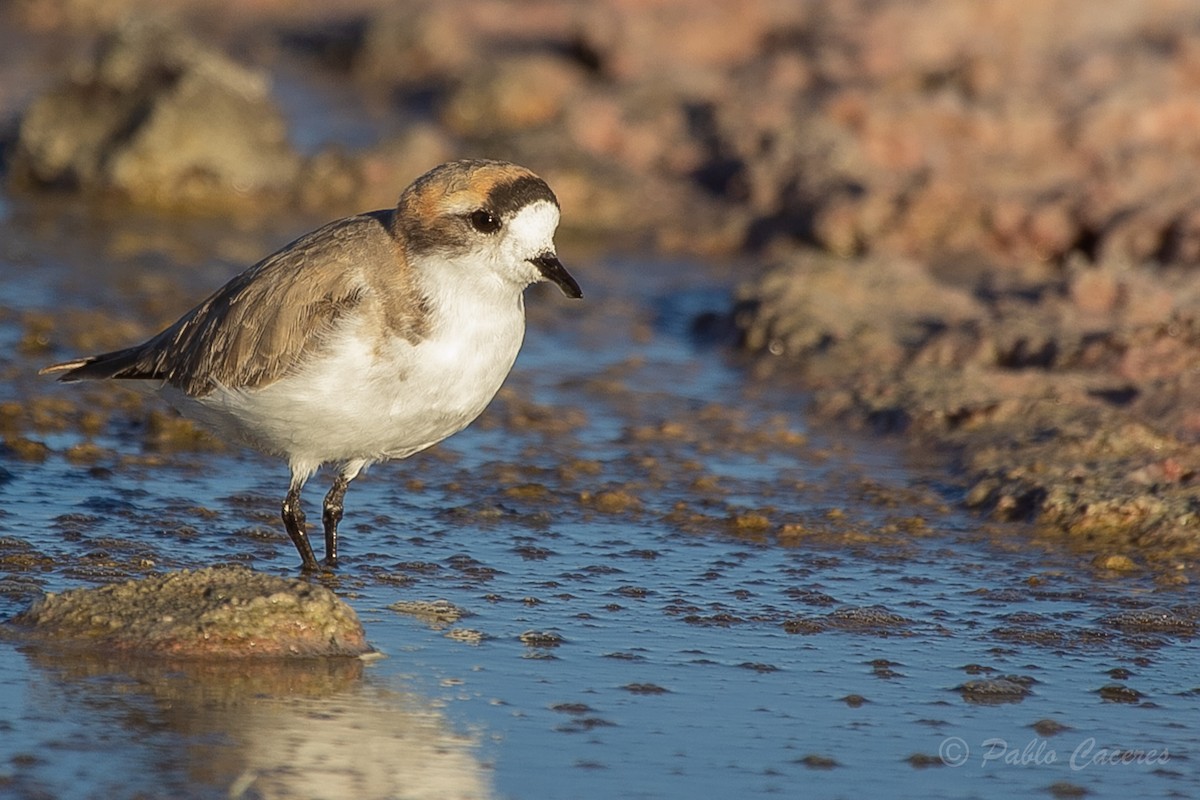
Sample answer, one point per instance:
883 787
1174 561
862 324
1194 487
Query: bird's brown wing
262 324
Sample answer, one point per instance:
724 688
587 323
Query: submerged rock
994 691
220 612
158 117
870 620
1184 622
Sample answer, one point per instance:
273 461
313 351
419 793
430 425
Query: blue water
674 673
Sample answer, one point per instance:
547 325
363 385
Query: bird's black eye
484 221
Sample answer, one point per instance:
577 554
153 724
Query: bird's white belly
367 399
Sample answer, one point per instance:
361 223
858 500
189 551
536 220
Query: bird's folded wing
265 322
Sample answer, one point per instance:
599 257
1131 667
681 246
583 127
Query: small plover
371 338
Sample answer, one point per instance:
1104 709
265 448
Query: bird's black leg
293 520
331 516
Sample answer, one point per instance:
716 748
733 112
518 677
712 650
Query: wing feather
261 325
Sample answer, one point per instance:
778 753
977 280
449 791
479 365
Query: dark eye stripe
511 196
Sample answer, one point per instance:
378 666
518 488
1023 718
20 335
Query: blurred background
877 429
1018 132
973 223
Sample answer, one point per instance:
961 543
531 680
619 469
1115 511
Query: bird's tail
117 364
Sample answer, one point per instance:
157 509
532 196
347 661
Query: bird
369 339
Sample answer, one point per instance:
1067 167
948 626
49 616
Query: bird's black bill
549 265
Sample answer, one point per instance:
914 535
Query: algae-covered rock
156 116
220 612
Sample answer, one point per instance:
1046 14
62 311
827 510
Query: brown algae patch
436 613
996 691
1183 622
615 501
219 612
542 639
1049 727
440 615
466 635
871 620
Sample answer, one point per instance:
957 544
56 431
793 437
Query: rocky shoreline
977 223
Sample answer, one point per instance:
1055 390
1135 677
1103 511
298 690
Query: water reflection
311 728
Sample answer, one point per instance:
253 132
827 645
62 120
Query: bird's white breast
370 394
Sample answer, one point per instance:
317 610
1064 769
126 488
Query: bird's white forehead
535 223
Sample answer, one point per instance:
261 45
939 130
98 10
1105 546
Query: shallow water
668 586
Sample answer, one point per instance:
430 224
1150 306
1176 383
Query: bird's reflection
307 728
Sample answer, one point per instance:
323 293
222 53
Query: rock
161 119
1069 401
903 129
219 612
994 691
1115 563
411 44
1183 621
810 303
514 94
633 40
